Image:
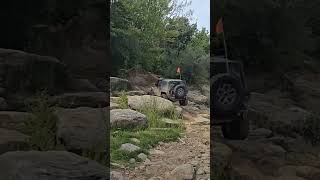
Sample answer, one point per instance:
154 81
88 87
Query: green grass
123 100
149 136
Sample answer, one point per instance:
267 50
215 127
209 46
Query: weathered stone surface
138 102
221 155
50 165
81 85
129 147
126 118
142 156
183 172
27 72
114 175
11 140
114 105
82 128
81 99
197 97
13 120
118 84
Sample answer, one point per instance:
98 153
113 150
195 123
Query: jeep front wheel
183 102
238 129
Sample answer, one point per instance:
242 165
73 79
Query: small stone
116 175
135 140
129 147
142 156
200 171
185 172
132 161
147 161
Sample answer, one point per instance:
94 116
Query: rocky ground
187 158
81 108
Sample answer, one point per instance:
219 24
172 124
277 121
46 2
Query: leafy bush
123 100
42 125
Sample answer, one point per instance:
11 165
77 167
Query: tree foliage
270 34
157 36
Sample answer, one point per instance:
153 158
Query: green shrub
123 100
42 125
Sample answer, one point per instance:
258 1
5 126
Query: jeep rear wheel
227 94
180 92
238 129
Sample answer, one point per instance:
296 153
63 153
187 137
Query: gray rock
135 140
81 85
183 172
261 133
139 102
132 161
81 99
118 84
129 147
31 72
114 105
116 175
197 97
82 128
142 156
171 123
127 118
50 165
221 155
13 120
11 140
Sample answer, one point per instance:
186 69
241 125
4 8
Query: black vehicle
229 97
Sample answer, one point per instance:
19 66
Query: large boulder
11 140
197 97
118 84
81 99
13 120
279 114
24 72
81 85
139 102
127 118
82 128
50 165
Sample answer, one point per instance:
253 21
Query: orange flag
219 27
178 70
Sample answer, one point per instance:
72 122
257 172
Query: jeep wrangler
172 89
229 98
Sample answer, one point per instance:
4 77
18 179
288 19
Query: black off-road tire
227 94
238 129
183 102
180 91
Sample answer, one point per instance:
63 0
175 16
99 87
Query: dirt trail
193 148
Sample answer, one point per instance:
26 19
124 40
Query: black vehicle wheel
227 95
180 92
238 129
183 102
